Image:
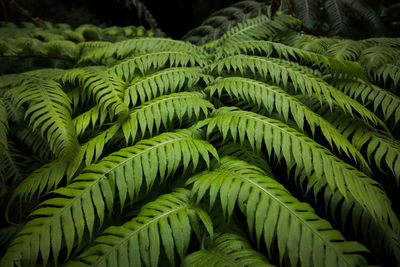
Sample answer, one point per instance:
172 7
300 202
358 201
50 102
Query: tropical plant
243 152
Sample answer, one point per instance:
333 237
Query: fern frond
386 150
40 181
376 56
363 224
274 98
288 52
256 28
226 250
144 62
123 49
158 83
104 87
385 72
387 102
335 10
162 110
73 211
280 71
3 126
165 223
298 230
297 149
48 108
311 43
346 50
14 163
92 117
307 11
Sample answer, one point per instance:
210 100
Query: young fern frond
85 199
127 69
163 224
298 230
274 98
297 149
105 88
48 109
163 110
161 82
226 250
280 71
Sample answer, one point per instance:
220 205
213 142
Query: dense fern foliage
52 45
259 148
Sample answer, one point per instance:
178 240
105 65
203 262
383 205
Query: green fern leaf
272 212
158 83
123 49
337 66
280 71
80 203
297 149
104 87
49 108
274 98
162 110
335 10
387 102
3 126
144 62
256 28
307 11
226 250
166 222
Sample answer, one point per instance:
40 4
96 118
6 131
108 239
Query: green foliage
260 148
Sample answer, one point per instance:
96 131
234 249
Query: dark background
174 17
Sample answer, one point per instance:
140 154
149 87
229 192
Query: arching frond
346 50
280 71
144 62
255 28
68 215
387 102
298 230
226 250
385 72
168 80
104 87
164 224
334 65
274 98
162 110
48 108
129 47
297 149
